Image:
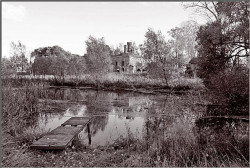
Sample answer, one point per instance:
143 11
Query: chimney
125 48
129 47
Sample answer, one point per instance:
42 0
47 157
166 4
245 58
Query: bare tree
207 9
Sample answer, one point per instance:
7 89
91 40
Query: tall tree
234 20
150 48
98 55
58 68
41 66
47 58
207 9
226 40
157 53
18 56
183 41
76 68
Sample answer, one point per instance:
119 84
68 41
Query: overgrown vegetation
231 87
177 144
223 49
20 110
222 46
20 107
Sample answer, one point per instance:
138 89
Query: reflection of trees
55 94
75 95
76 110
99 102
62 94
134 105
97 123
44 117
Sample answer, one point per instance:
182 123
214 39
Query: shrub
230 87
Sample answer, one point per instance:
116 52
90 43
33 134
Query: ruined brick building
128 61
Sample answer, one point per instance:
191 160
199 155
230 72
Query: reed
114 81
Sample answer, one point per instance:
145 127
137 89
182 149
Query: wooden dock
62 136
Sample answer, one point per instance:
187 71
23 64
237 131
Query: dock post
89 134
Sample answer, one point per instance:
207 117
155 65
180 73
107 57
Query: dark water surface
118 114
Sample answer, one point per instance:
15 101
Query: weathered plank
62 136
59 138
77 121
53 142
65 130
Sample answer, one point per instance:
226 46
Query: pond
122 114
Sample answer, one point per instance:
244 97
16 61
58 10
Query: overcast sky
68 24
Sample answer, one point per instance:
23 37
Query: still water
118 114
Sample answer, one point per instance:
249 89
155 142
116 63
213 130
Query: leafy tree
18 57
51 61
50 51
223 48
157 53
150 48
225 41
98 55
7 67
183 41
234 20
76 67
211 50
41 66
58 68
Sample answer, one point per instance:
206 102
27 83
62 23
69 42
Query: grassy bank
176 145
110 81
114 81
179 143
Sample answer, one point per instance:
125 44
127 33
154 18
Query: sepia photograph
125 83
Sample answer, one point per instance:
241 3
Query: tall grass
20 106
114 81
20 109
179 145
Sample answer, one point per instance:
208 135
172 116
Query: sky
69 24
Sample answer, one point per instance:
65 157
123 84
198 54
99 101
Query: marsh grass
180 145
19 108
114 81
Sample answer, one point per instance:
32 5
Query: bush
189 72
231 87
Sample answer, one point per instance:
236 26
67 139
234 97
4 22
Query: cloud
13 12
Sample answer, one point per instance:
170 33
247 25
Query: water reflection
114 113
117 114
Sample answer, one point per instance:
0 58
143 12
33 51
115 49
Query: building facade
127 61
